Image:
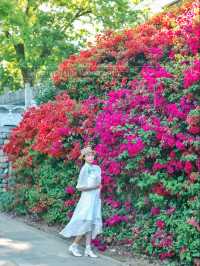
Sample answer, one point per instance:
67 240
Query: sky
154 5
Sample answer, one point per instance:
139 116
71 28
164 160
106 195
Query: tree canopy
35 35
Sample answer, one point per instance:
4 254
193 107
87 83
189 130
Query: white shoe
90 253
74 250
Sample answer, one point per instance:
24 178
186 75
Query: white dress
87 214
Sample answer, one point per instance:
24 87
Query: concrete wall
16 98
5 165
19 97
10 117
12 107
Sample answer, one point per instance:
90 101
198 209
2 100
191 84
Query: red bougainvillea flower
69 203
160 190
161 239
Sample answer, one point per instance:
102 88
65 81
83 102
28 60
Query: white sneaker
90 253
74 250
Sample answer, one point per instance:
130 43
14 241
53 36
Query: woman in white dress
87 217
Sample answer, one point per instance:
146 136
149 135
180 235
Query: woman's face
89 158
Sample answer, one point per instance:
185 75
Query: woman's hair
85 151
87 154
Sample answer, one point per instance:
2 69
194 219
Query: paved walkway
23 245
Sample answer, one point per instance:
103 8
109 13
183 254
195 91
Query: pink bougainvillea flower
161 239
96 242
56 148
135 148
113 203
192 74
172 155
171 54
99 244
194 130
102 248
180 145
168 140
156 52
63 131
114 168
116 219
166 255
155 211
159 100
170 210
107 179
193 176
101 149
170 169
160 224
192 221
183 249
69 214
173 110
158 166
70 190
188 167
127 205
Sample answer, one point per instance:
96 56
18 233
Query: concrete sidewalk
23 245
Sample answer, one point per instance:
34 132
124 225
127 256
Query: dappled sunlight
15 245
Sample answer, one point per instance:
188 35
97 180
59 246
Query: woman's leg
88 238
77 239
74 247
88 250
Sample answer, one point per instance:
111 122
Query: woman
87 217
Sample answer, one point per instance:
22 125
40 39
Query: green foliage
6 201
46 92
35 35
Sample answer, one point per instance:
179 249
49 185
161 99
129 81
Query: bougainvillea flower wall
134 96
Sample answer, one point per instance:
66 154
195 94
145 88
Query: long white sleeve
83 177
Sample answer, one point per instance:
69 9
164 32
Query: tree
36 34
